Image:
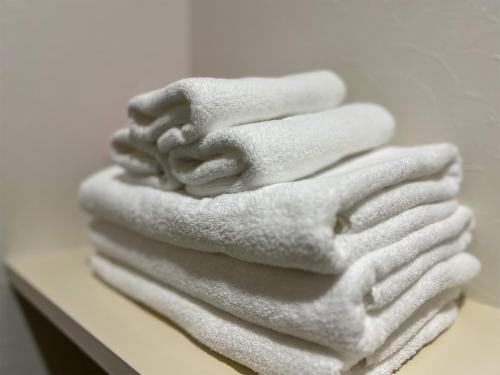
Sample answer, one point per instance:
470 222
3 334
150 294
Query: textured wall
67 69
435 64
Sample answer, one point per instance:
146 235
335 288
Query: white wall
67 69
434 64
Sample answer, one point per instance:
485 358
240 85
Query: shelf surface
127 338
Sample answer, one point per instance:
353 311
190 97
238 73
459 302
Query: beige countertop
124 337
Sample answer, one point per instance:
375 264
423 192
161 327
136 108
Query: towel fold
365 203
417 332
269 352
351 313
142 160
190 108
253 155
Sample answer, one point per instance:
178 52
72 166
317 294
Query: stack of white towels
268 222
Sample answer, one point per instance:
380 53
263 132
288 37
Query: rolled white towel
143 161
190 108
320 224
253 155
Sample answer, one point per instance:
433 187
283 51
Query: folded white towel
269 352
138 158
249 156
344 213
417 332
142 160
190 108
351 313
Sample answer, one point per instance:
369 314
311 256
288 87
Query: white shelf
126 338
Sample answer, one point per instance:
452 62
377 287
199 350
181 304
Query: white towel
269 352
190 108
351 313
253 155
347 211
417 332
142 160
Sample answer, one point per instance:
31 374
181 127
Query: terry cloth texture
351 313
408 340
190 108
143 161
248 156
368 202
269 352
